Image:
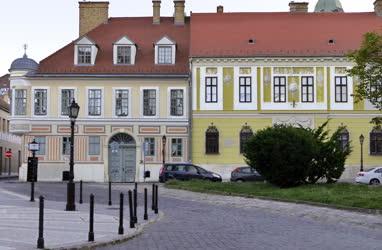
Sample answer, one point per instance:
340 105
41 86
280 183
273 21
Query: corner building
130 77
253 70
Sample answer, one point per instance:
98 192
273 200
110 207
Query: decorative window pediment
85 51
165 51
124 51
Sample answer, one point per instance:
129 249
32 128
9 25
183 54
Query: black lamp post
70 199
33 147
164 140
361 140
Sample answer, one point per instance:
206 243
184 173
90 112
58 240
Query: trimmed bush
282 154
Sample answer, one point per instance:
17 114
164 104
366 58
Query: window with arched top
343 139
245 134
212 140
376 142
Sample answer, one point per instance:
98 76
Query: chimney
179 12
298 7
378 7
156 11
220 9
92 14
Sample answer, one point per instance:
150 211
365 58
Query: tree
368 69
329 163
282 154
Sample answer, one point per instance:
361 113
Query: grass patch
338 194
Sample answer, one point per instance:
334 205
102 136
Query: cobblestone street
200 221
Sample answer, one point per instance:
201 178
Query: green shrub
282 154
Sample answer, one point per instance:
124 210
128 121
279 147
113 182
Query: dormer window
124 51
165 50
164 54
85 52
124 55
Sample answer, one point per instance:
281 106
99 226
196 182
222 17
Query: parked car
245 174
186 171
372 176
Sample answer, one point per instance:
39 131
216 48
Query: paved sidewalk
19 223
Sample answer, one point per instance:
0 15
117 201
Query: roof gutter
106 76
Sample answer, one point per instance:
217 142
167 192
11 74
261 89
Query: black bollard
91 219
109 193
80 192
136 185
40 240
153 198
131 209
145 216
135 206
120 228
156 199
32 191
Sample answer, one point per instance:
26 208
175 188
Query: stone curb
114 241
311 203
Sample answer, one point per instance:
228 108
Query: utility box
147 174
65 175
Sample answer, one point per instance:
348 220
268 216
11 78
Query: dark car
245 174
186 171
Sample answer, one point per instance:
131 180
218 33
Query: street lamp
70 199
164 139
33 147
361 140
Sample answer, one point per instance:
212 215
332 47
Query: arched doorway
122 158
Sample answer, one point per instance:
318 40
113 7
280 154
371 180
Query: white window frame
165 41
60 96
115 103
245 105
185 101
102 102
182 145
47 101
157 102
99 145
124 42
85 41
14 102
206 105
349 105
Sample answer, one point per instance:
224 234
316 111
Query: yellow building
130 79
253 70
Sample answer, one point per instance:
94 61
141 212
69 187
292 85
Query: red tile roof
142 32
279 34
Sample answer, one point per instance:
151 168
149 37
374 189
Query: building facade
130 78
276 68
191 88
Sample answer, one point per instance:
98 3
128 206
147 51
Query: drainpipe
190 98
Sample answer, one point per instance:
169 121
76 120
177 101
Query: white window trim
185 106
114 103
349 105
60 101
47 101
87 102
203 104
165 41
85 41
157 102
14 102
249 105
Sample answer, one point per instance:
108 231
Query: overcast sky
47 25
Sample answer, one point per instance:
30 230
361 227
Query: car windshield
201 170
370 170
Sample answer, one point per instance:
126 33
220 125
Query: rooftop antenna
25 49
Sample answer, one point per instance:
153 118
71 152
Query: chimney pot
156 11
378 7
92 14
179 16
298 7
220 9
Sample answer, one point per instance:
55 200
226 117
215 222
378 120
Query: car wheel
240 181
375 182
